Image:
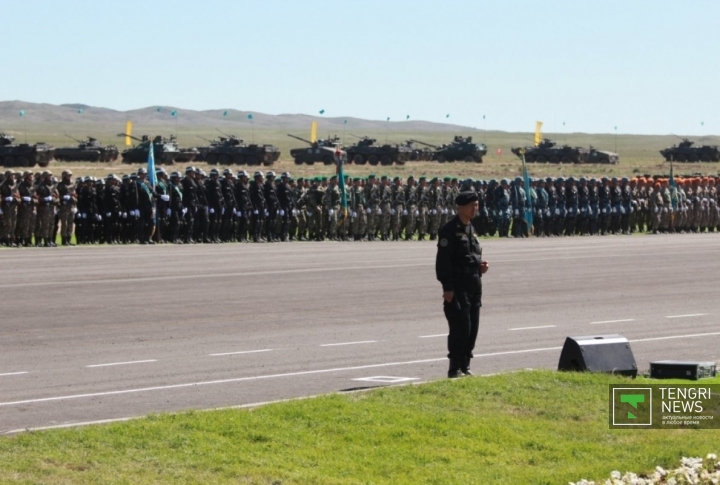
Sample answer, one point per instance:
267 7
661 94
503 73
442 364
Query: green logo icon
633 400
631 406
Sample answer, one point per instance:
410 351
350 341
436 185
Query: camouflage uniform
357 208
398 208
656 203
68 202
26 211
331 201
411 208
386 200
9 204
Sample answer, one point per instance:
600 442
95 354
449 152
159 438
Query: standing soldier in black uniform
113 210
176 207
202 221
272 207
162 194
459 267
189 203
245 210
259 206
285 202
227 187
216 204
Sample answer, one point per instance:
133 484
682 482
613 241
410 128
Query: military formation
226 206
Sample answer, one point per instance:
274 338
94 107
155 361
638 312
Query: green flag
22 113
322 111
173 113
407 117
80 111
250 116
225 113
447 115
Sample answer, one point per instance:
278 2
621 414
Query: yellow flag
128 131
538 132
313 132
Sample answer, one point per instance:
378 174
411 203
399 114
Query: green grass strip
532 427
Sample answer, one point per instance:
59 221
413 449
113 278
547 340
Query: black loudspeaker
598 353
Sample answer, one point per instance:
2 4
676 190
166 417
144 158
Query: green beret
454 179
334 177
434 179
410 176
384 177
396 179
371 176
356 179
446 179
422 177
300 179
323 179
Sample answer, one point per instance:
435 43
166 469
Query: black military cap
465 198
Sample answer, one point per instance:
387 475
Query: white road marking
12 374
433 336
123 363
688 315
532 328
350 343
387 379
242 352
676 337
255 378
613 321
305 373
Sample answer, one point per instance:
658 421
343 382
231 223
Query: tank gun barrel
74 139
130 136
299 138
203 138
423 143
218 129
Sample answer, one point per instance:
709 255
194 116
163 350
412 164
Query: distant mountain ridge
48 114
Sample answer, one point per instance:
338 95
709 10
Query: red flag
499 152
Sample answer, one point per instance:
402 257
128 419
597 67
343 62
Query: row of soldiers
196 207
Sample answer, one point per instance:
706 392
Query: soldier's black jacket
284 196
459 254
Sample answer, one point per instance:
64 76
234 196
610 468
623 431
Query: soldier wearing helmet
272 208
189 203
259 206
216 205
9 202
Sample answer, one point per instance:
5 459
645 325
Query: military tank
365 151
548 151
461 148
686 152
166 150
318 151
230 149
24 154
88 150
418 154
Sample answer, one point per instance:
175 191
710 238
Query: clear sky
643 66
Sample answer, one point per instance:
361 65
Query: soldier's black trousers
463 316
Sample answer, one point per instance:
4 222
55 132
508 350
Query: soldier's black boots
454 370
465 367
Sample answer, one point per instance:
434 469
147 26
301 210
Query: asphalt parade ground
90 334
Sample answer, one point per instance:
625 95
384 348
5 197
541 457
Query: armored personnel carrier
418 154
24 154
230 149
166 150
461 148
686 152
318 151
601 156
365 151
89 150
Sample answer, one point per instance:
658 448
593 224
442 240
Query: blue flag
528 207
225 113
322 111
174 112
250 116
151 164
673 188
22 113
